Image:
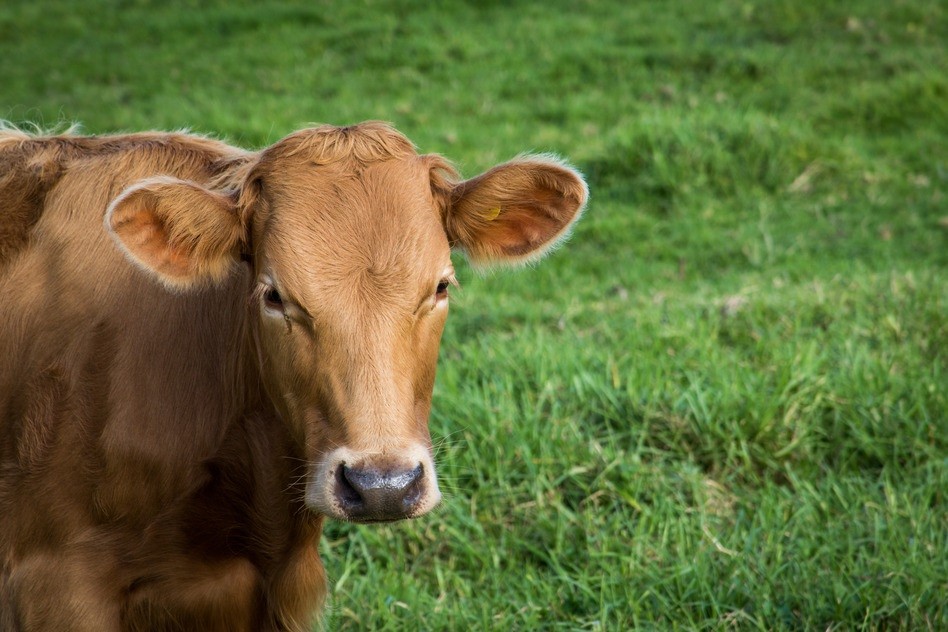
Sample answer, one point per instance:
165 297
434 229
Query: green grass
723 403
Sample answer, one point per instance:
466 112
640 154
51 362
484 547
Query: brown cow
173 432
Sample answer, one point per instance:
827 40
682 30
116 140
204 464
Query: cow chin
374 485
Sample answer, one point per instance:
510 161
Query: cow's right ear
181 233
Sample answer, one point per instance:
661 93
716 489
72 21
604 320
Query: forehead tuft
362 144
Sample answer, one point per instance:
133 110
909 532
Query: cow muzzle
370 494
374 487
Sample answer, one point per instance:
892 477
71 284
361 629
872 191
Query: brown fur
167 450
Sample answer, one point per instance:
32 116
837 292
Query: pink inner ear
147 240
528 226
521 230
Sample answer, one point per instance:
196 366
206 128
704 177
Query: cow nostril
369 494
347 493
414 487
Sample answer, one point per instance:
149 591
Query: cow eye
442 290
272 298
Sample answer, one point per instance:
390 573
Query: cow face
348 233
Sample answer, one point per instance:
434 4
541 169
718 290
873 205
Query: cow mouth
377 520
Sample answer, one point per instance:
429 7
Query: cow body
206 351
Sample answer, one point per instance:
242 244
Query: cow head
348 234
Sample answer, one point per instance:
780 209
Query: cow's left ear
183 234
515 212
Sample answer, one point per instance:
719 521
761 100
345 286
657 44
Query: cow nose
373 495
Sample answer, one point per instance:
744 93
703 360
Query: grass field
724 404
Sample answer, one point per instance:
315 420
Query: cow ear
186 236
515 212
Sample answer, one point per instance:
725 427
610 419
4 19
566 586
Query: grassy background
723 404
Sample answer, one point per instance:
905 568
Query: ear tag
492 213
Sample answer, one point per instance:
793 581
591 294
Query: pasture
724 403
